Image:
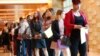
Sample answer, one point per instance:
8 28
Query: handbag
65 41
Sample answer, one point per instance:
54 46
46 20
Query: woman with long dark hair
38 35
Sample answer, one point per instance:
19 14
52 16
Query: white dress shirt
23 26
61 27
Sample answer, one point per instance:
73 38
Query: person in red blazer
74 20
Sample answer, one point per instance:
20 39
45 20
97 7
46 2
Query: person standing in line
25 33
6 41
13 39
29 39
47 20
48 17
74 21
58 34
38 35
16 40
19 39
23 26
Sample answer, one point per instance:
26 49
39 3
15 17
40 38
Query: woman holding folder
47 21
74 21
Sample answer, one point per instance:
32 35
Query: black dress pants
76 47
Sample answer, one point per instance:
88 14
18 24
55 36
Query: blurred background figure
6 40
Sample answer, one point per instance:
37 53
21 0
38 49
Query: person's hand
35 36
86 27
19 37
11 42
77 26
39 35
61 37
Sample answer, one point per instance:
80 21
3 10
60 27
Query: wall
23 1
92 9
57 4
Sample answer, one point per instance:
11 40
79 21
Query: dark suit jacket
55 30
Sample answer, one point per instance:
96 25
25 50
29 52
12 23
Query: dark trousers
21 50
28 46
14 45
18 47
24 47
77 46
50 51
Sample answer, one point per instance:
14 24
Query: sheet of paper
83 32
48 32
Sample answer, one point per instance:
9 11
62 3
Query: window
67 5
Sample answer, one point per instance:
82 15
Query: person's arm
56 35
32 28
41 23
87 35
85 18
42 31
67 22
61 29
87 42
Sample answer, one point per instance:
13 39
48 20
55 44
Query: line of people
6 37
29 38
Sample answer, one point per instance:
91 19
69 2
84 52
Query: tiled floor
9 54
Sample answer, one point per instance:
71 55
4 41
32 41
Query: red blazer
69 21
